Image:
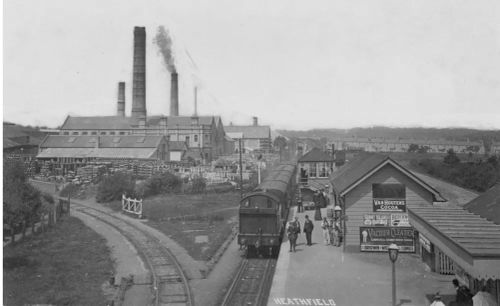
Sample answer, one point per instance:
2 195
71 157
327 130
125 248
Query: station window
111 133
389 191
103 133
122 133
85 133
312 170
75 133
93 133
187 139
195 138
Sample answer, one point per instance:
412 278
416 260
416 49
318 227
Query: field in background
65 266
198 222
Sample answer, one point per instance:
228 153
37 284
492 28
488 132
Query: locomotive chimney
174 95
139 74
121 99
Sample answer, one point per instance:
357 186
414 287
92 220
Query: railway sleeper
166 270
159 261
172 290
250 286
169 279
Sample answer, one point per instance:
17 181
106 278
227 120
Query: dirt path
126 260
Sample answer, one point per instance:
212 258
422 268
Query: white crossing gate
132 206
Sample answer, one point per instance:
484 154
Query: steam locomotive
264 211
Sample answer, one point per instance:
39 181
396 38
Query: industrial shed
70 152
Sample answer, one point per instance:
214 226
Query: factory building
254 137
204 136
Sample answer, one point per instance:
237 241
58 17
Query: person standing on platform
308 228
335 235
325 225
291 232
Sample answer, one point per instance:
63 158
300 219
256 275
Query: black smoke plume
164 43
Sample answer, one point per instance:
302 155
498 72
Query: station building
384 203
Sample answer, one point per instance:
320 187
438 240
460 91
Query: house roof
112 153
363 166
98 123
487 205
177 146
122 141
409 141
250 131
316 155
7 143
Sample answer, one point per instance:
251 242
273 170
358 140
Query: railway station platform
325 275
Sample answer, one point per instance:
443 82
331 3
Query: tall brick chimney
174 95
139 74
121 100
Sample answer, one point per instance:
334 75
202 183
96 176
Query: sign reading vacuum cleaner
377 239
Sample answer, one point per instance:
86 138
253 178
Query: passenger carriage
264 211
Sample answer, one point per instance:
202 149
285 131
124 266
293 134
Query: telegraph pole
241 171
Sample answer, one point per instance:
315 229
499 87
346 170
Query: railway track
252 282
170 285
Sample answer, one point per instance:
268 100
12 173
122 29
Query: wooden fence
132 206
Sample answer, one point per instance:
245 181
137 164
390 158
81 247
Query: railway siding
169 280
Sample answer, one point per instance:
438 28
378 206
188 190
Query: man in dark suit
308 228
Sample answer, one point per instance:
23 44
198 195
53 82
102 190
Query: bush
159 184
70 189
198 185
112 187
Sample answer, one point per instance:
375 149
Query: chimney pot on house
255 121
142 122
163 122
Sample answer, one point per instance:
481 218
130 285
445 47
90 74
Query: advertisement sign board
376 220
377 239
400 220
389 205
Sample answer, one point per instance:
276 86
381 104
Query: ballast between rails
159 259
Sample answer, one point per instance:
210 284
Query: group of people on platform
331 231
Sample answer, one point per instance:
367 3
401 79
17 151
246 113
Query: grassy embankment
65 266
198 222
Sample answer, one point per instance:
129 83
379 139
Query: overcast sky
293 64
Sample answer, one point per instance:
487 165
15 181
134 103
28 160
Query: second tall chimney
139 74
174 95
121 100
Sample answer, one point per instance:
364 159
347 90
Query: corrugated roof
316 155
138 153
250 131
98 123
122 141
472 233
487 205
360 168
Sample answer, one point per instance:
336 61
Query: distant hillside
18 133
452 134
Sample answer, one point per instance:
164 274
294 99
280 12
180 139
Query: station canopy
469 240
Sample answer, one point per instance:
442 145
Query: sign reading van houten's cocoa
389 205
377 239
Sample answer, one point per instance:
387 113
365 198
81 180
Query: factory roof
173 121
98 123
111 153
316 155
122 141
487 205
250 131
365 165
